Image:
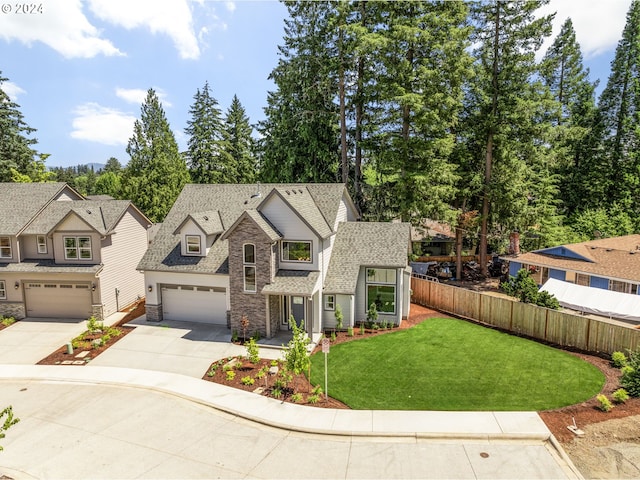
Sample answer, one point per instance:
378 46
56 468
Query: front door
292 305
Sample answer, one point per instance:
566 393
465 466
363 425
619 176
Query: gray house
63 256
266 252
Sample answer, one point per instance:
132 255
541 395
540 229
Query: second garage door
58 300
194 304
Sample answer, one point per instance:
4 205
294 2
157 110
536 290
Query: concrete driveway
187 348
81 430
28 341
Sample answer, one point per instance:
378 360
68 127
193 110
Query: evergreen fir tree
208 160
239 144
156 173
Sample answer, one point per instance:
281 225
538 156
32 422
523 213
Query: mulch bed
61 355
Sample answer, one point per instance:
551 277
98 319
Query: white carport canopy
595 300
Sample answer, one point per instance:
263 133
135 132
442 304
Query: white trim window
381 289
249 267
618 286
5 247
582 279
3 290
193 244
296 251
41 240
329 302
77 248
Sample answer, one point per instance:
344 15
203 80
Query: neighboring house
62 256
432 238
266 252
607 263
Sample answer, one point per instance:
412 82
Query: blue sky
80 69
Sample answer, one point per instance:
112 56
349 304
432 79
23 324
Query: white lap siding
121 253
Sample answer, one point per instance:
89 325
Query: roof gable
302 204
209 222
20 203
258 219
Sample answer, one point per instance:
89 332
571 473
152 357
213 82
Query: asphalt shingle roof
301 201
373 244
101 215
47 266
19 202
292 282
230 200
209 222
617 258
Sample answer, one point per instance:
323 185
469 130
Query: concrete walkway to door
185 348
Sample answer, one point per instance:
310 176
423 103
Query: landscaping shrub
618 359
605 403
296 397
339 317
247 380
620 395
350 332
296 356
7 321
524 288
231 375
631 374
253 353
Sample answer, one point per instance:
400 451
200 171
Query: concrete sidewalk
257 408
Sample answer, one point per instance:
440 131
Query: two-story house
267 252
63 256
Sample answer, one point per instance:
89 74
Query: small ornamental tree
372 313
296 355
8 422
339 317
631 373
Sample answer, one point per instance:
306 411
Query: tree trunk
343 117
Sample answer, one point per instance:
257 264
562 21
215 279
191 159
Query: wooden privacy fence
564 329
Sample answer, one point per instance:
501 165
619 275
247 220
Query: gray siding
361 306
29 247
121 254
329 317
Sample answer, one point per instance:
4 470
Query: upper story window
77 248
42 243
5 247
296 251
3 290
193 244
249 267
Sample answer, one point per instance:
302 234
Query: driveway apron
28 341
186 348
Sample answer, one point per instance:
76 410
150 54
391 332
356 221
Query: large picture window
77 248
193 244
381 289
296 251
5 247
3 290
249 267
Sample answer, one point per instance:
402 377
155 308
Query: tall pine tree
207 158
619 108
239 143
508 112
300 132
156 173
19 161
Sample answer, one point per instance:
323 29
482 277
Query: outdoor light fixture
150 288
17 285
93 287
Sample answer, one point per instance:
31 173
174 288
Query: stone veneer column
253 305
153 313
15 310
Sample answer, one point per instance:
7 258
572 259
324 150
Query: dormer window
77 248
193 245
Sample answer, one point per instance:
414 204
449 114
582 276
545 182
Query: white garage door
58 300
194 304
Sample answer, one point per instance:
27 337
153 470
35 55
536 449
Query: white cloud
95 123
138 95
231 6
598 23
170 17
12 90
62 26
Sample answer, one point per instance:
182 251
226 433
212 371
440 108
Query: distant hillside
96 167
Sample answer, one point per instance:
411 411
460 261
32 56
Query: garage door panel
194 304
58 300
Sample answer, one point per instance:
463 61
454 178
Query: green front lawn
449 364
